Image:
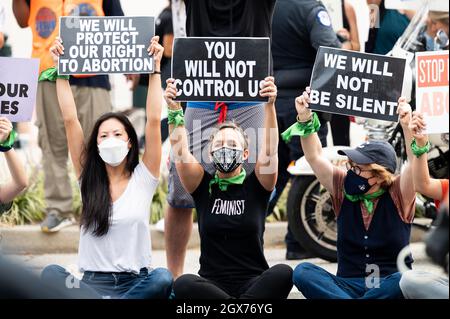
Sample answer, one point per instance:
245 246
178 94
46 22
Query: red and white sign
432 90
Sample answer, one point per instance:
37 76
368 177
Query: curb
30 239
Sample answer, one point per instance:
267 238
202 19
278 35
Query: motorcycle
309 206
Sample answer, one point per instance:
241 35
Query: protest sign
220 69
432 89
334 8
357 84
433 5
104 45
18 87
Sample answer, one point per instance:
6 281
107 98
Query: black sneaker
297 255
54 223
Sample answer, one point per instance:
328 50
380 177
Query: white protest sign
18 87
334 8
432 90
433 5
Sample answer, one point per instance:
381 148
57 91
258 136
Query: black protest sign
357 84
220 69
104 45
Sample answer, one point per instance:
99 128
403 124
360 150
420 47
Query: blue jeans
316 283
156 284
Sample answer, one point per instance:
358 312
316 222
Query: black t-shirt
300 27
229 18
231 226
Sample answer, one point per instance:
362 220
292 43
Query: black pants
274 283
288 152
340 129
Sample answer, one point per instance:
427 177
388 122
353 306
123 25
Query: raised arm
351 17
406 180
423 183
267 164
21 12
19 178
311 145
152 153
189 169
74 132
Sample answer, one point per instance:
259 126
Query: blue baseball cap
373 152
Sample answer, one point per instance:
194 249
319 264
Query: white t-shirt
127 245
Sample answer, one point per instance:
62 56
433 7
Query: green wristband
9 142
175 117
419 151
51 75
302 129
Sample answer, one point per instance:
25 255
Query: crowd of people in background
373 203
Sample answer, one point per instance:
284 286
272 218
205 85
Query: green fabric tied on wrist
419 151
302 129
176 117
51 75
9 142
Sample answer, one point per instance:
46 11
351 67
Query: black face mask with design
355 184
227 159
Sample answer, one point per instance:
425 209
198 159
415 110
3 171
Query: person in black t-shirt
212 18
231 208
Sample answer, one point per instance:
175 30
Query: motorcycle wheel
311 217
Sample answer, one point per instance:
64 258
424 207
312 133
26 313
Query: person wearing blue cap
374 210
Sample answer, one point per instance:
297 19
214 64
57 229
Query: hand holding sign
5 129
156 50
302 106
269 89
171 94
57 50
404 112
418 127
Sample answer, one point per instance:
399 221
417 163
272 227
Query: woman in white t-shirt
117 191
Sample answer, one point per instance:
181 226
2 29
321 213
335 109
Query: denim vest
379 245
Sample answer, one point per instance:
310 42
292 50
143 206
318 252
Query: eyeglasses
355 168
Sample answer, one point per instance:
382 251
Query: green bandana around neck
223 183
367 199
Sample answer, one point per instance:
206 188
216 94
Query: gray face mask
227 159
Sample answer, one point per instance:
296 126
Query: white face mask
113 151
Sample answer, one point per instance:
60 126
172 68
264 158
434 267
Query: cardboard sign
334 8
357 84
104 45
432 90
18 87
433 5
220 69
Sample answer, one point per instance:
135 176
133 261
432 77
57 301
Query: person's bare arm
74 132
351 17
266 169
407 180
152 153
168 45
189 169
19 179
423 183
21 11
2 40
312 147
